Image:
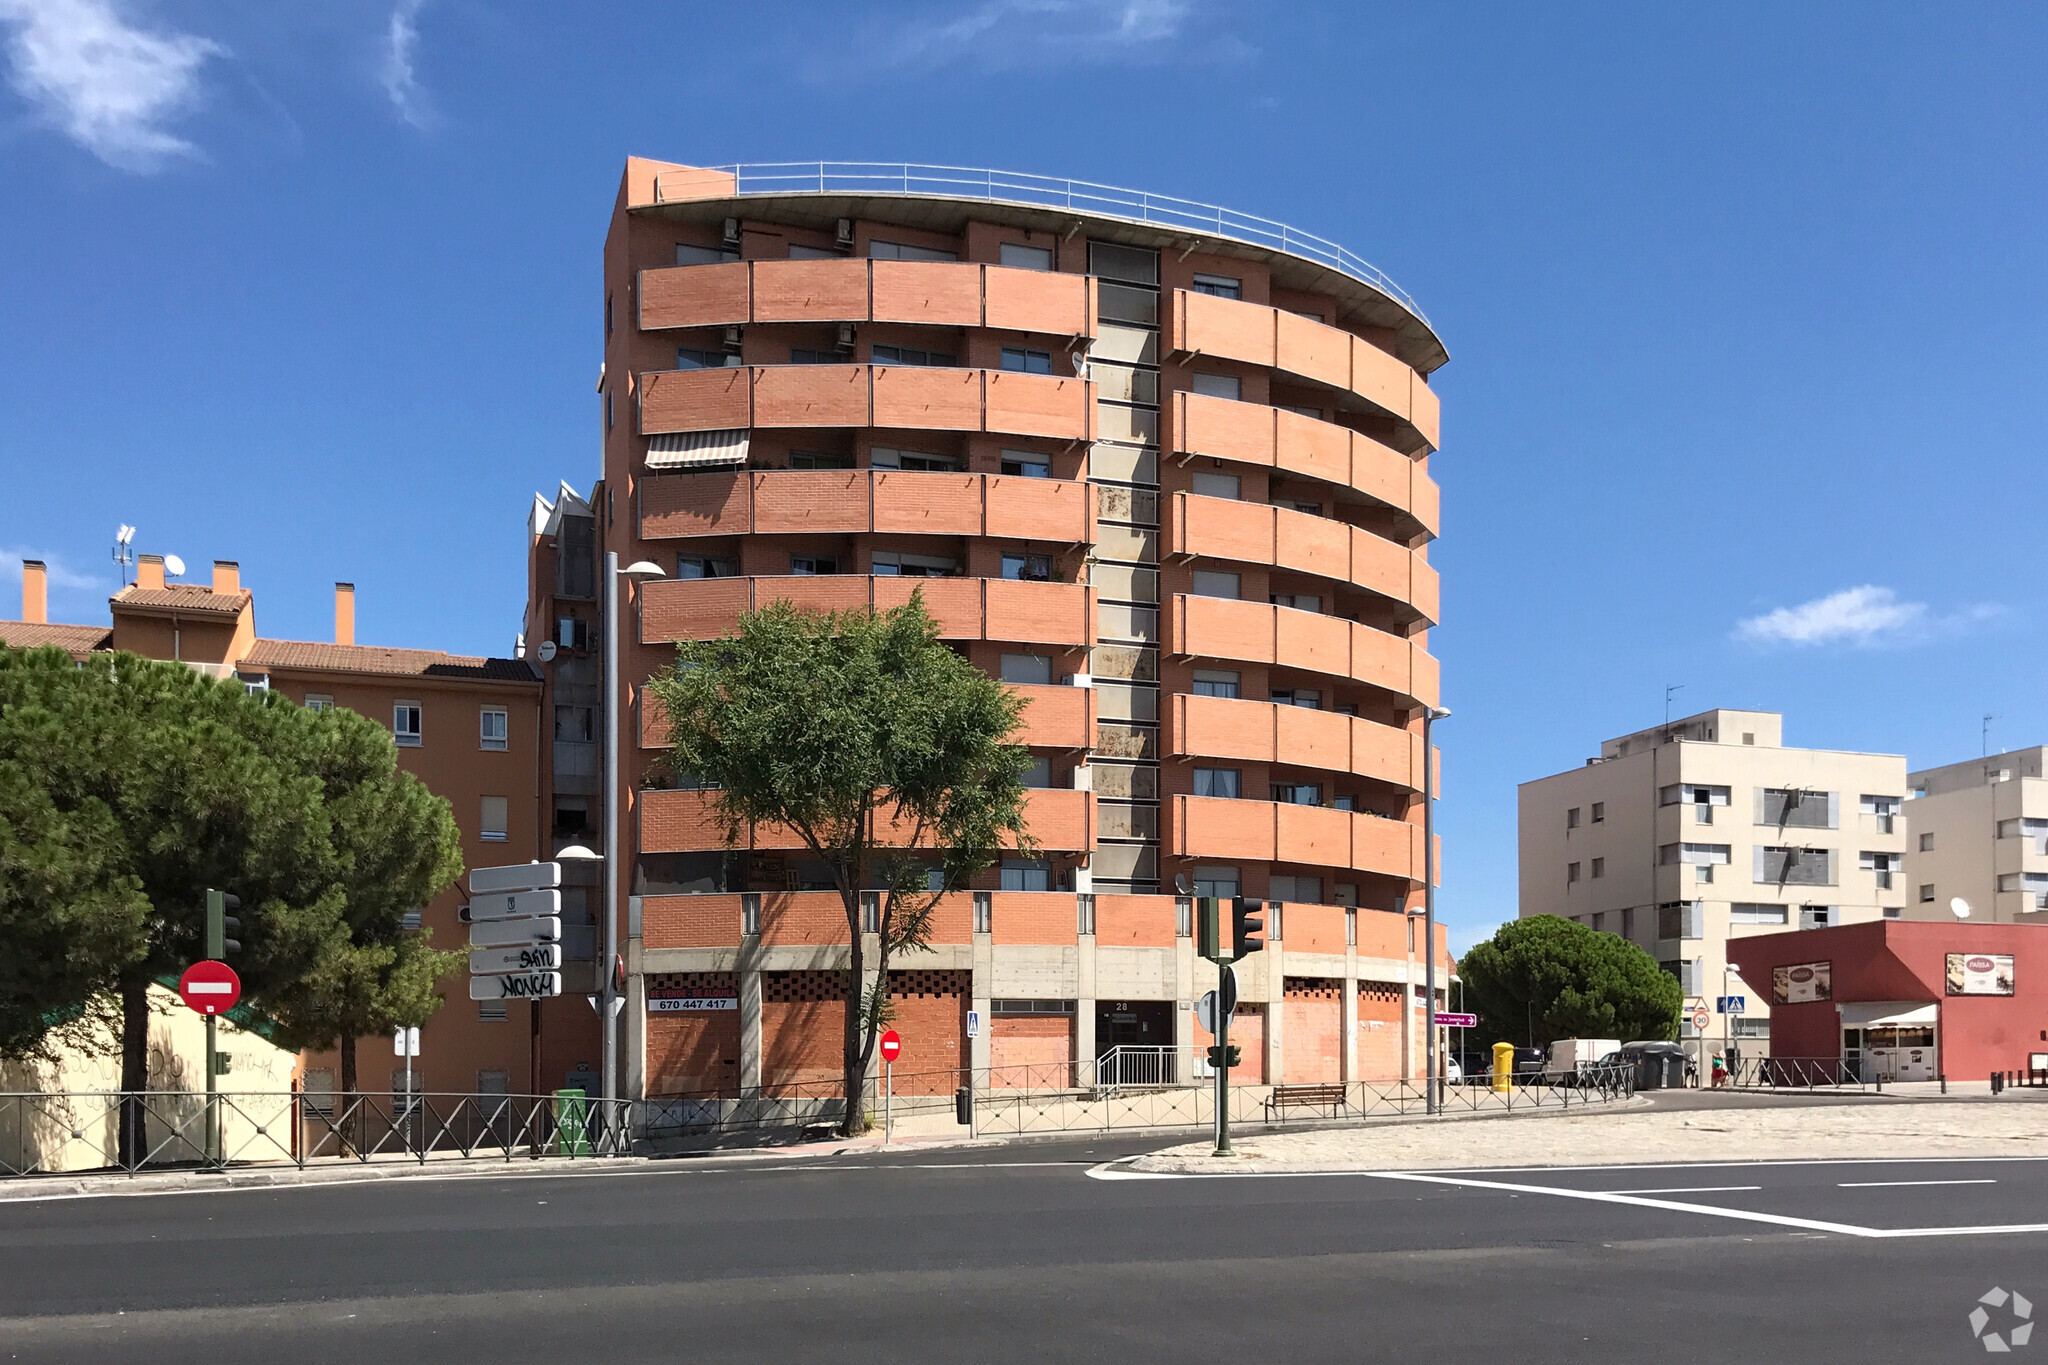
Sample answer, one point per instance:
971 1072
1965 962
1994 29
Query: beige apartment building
1685 835
1980 835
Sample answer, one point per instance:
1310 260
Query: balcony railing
1042 191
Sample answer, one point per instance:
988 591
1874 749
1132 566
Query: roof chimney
227 576
149 571
35 592
344 613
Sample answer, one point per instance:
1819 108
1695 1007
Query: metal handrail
1045 191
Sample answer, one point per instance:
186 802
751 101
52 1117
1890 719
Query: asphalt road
1029 1253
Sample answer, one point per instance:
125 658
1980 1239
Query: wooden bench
1331 1096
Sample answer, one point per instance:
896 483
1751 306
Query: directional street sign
892 1045
210 987
1456 1020
513 904
514 933
1730 1004
532 986
514 877
537 957
405 1042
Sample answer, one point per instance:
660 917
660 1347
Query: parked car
1569 1056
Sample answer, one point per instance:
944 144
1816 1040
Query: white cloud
1866 615
63 578
400 80
106 83
1007 34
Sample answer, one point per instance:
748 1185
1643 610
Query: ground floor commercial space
1017 991
1904 1000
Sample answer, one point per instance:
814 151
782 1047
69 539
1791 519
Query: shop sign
1802 982
1980 973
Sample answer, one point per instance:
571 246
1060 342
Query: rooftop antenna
124 550
1670 689
1985 740
174 566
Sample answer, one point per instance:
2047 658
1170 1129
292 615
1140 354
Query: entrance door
1134 1042
1903 1052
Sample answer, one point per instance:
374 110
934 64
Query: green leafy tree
1555 978
395 847
871 740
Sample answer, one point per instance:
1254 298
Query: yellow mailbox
1503 1066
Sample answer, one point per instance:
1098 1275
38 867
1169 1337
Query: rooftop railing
1079 196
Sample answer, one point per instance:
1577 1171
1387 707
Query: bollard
1503 1068
1944 1082
963 1106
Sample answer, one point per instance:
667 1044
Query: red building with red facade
1903 1000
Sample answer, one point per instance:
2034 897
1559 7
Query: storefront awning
1885 1013
697 450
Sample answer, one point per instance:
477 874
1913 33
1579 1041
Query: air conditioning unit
1084 778
1078 680
844 342
732 339
846 232
732 232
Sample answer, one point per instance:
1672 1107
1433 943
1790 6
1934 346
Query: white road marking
1888 1184
1691 1189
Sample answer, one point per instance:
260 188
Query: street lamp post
609 1002
1432 1073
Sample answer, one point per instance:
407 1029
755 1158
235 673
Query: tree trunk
134 1134
352 1122
855 1068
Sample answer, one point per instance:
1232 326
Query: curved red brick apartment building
1163 468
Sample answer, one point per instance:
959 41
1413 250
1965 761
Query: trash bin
1660 1071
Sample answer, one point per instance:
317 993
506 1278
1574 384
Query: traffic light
1246 924
221 925
1225 1057
1207 914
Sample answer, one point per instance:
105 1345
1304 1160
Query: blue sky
1745 307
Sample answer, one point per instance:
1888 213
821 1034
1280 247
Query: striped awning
697 450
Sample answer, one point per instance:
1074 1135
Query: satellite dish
1959 907
547 651
174 566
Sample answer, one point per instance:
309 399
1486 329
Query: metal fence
1004 1103
1802 1073
83 1131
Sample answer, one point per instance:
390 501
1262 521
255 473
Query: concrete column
1084 1005
1349 1025
748 969
978 1052
1276 994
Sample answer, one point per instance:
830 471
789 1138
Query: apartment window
1217 782
1184 917
870 909
1020 257
1681 919
704 255
317 702
1306 698
1024 361
412 921
984 913
1299 411
1571 873
693 358
576 724
904 251
494 824
706 566
813 564
1692 793
1795 808
1215 682
572 818
1571 818
405 724
1927 842
1599 868
1218 486
1749 912
1784 866
572 632
1029 670
611 410
1222 286
1881 866
1219 882
911 355
886 457
750 914
895 564
1599 812
1748 738
1217 385
1084 914
1698 855
1029 568
1039 774
1816 916
1026 874
493 728
1927 893
1024 464
490 1011
1300 601
819 459
1298 793
1213 583
802 355
1342 802
1351 928
1301 890
493 1082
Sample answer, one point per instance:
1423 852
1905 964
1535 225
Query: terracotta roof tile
303 656
79 640
192 597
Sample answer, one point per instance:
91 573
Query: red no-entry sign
892 1046
210 987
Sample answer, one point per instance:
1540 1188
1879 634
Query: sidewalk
1872 1128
